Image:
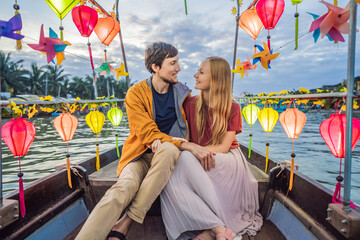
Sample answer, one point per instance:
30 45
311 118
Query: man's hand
155 145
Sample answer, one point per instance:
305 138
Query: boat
55 211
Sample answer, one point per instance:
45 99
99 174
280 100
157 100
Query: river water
48 150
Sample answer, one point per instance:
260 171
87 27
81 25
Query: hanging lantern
85 19
269 12
333 132
293 121
268 118
95 120
61 9
251 23
115 116
66 125
250 113
18 135
106 29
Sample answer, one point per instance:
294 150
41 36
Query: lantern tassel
21 197
185 7
250 146
117 146
296 28
337 194
61 31
68 171
18 42
97 157
90 54
267 156
291 174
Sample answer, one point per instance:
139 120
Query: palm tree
36 79
55 77
12 74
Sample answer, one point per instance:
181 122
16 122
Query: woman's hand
205 156
155 145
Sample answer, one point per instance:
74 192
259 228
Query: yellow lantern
268 118
250 113
115 116
95 120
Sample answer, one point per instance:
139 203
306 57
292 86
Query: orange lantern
251 23
106 29
293 121
66 125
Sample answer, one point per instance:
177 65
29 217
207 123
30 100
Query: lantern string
19 164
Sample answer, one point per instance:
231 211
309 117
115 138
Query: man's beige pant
139 184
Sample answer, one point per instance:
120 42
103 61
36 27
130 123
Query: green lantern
250 113
115 116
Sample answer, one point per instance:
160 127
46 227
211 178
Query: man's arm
140 121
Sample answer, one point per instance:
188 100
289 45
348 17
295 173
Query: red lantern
333 132
269 12
18 135
85 19
293 121
106 29
66 125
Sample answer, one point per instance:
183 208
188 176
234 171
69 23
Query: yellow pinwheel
121 71
264 56
239 68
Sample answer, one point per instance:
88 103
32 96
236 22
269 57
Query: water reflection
48 150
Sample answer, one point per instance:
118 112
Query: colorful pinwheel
121 71
264 56
47 45
105 68
8 28
239 68
59 49
334 22
316 33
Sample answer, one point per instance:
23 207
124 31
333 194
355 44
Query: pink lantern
269 12
85 19
333 132
18 135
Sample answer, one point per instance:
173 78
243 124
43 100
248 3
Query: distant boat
55 114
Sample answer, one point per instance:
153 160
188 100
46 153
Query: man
156 115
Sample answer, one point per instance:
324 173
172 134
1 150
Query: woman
211 189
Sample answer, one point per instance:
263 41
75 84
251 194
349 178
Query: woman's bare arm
225 145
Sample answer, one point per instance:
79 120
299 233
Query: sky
207 30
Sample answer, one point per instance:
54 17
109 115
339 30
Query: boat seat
103 179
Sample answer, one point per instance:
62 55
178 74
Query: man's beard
168 81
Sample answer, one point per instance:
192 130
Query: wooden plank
9 212
152 228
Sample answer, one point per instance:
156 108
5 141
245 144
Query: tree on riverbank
51 78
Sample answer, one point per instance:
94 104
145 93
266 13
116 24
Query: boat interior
53 207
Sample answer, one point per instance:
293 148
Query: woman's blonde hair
220 101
